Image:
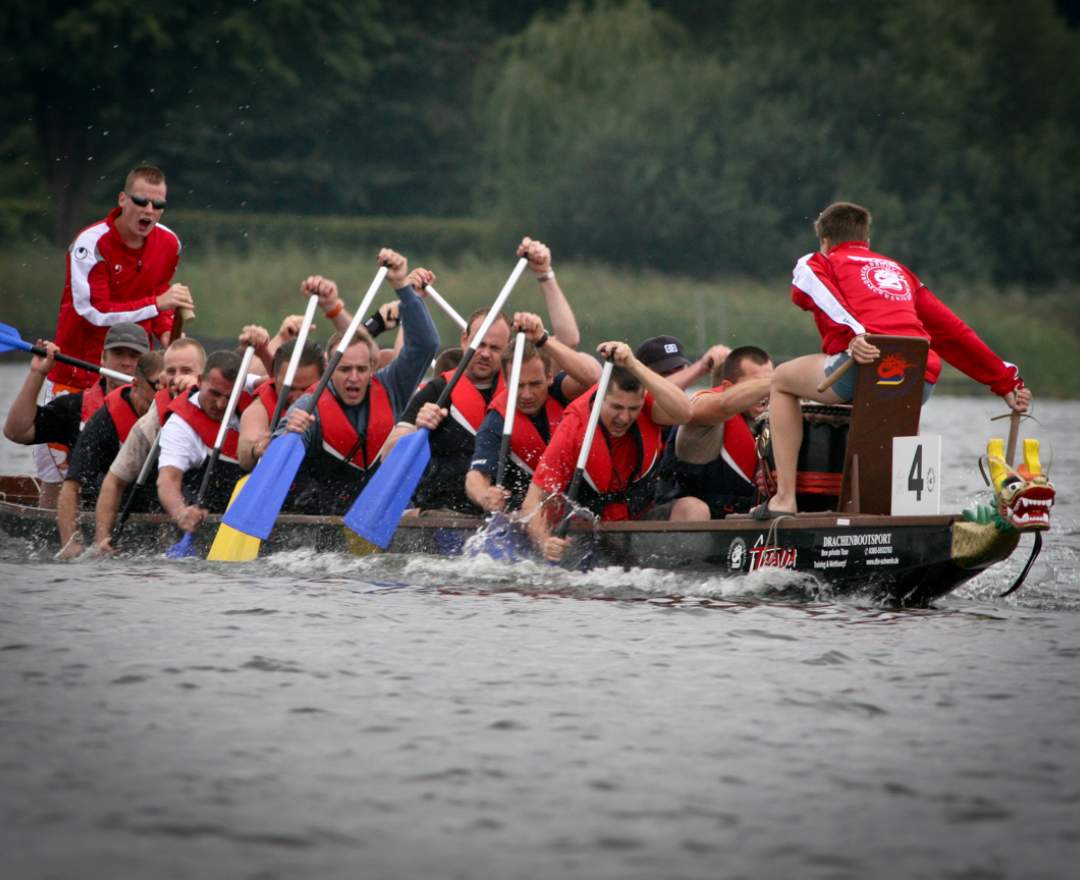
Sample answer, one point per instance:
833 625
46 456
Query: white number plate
916 476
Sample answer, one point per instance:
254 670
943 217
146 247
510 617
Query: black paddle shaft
67 359
466 359
504 452
571 496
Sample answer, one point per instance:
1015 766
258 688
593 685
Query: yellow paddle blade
229 544
358 546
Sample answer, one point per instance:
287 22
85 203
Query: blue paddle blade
257 506
10 339
375 513
183 547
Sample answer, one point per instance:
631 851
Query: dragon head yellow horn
995 458
1031 457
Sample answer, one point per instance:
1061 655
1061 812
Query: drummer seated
542 394
619 476
714 454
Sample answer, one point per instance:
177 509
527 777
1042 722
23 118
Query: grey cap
127 336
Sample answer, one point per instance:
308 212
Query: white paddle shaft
365 304
301 338
119 377
445 306
594 415
493 312
234 397
512 391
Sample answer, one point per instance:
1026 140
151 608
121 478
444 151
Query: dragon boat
850 539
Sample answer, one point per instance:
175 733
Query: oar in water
375 513
451 312
498 538
586 447
229 544
10 340
183 547
133 492
256 507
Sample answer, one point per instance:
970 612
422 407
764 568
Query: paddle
586 447
511 408
498 540
256 508
10 340
183 547
445 306
376 511
229 544
144 474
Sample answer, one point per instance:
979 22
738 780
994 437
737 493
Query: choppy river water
322 716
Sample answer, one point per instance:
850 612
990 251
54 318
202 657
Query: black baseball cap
662 354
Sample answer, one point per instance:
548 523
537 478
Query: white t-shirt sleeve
181 447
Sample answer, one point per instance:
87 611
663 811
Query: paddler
453 439
354 417
187 438
184 360
852 291
255 427
542 396
56 424
99 441
623 462
715 454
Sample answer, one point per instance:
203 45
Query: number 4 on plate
916 476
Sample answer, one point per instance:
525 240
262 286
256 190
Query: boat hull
903 560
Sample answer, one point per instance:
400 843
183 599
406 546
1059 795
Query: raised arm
582 370
563 323
19 425
716 407
670 404
702 367
329 301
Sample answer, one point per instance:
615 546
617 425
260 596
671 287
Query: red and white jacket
109 283
853 290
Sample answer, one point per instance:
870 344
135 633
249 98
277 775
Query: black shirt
443 483
58 421
94 452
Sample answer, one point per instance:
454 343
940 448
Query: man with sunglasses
119 271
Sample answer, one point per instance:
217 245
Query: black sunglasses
143 201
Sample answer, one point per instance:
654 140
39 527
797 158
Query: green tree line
679 136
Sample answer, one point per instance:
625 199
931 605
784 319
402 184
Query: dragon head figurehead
1022 496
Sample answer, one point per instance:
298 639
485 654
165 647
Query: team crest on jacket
886 279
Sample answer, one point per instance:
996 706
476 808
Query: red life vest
339 437
93 399
526 444
204 426
121 411
467 404
600 475
163 400
266 394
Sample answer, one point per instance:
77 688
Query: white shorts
50 460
